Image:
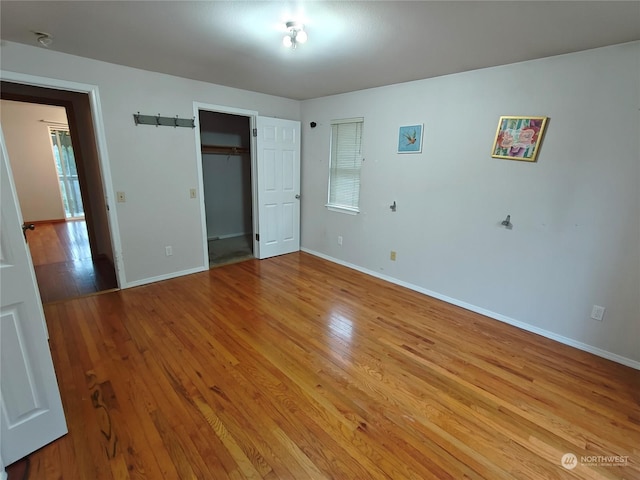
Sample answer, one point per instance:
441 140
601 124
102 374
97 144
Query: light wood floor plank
297 368
63 262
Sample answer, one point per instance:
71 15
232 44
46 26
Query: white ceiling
352 44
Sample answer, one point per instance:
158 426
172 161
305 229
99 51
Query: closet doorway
227 186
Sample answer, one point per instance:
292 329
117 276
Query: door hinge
255 132
257 237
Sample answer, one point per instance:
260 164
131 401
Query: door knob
26 227
298 196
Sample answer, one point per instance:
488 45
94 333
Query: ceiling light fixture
43 38
295 35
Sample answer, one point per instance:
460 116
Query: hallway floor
63 264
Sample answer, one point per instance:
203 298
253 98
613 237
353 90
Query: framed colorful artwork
519 138
410 139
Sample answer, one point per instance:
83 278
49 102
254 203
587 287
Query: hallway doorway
59 185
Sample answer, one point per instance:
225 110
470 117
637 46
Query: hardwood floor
63 264
297 368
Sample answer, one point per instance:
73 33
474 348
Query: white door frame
252 114
101 146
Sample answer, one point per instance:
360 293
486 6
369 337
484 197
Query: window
67 173
344 167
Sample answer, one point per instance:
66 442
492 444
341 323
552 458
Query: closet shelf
224 149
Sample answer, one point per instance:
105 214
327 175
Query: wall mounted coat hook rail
160 121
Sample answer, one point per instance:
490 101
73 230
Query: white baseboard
496 316
160 278
228 235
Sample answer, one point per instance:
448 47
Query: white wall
576 212
31 158
154 166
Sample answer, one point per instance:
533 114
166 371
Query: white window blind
346 160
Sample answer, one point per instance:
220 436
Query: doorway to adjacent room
58 185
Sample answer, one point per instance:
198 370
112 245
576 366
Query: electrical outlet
168 251
597 313
192 193
121 197
339 239
393 256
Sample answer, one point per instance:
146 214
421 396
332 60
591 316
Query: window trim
337 207
340 209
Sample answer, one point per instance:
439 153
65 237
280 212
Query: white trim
252 114
224 109
338 209
3 472
39 81
496 316
203 213
255 203
228 235
101 147
167 276
347 120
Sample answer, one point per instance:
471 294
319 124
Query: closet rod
224 150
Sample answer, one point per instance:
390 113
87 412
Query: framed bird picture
410 139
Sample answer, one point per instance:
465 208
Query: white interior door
278 158
31 412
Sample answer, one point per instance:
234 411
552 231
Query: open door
31 412
278 159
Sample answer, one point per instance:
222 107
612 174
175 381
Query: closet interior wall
226 169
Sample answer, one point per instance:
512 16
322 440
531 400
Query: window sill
347 210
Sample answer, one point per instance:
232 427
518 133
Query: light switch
597 313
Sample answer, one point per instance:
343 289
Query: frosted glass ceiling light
296 35
301 37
